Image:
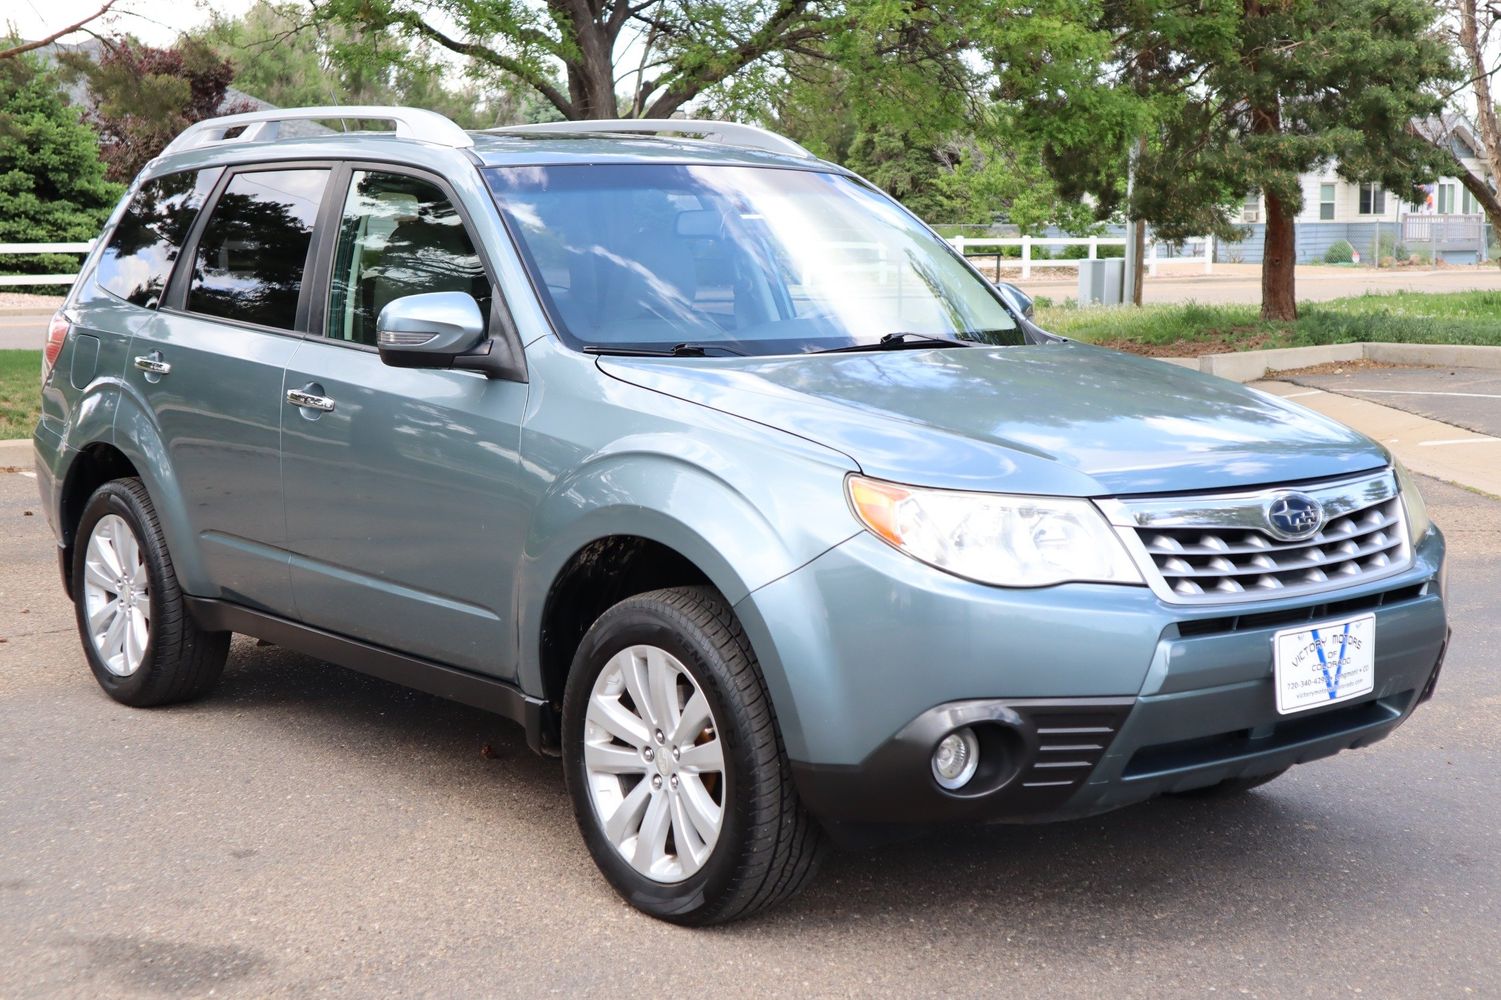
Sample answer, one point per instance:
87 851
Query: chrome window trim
1246 511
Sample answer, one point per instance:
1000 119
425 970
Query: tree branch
43 42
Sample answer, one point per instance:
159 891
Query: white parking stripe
1473 440
1424 392
1295 395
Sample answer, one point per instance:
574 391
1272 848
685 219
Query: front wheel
676 769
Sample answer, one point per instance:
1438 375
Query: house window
1470 205
1326 202
1372 199
1446 199
1250 211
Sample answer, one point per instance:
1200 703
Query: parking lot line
1413 392
1474 440
1411 437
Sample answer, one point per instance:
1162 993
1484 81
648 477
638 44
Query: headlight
1417 511
1009 541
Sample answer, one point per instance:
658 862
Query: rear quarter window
141 252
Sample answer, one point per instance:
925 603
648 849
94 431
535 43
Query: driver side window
398 235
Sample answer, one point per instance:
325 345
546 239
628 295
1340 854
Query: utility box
1101 282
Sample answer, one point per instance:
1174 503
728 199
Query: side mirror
430 330
1016 299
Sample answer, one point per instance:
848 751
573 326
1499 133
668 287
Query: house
1445 219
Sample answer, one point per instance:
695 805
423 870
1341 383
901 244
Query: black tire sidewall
114 499
638 623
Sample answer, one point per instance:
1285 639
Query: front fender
669 499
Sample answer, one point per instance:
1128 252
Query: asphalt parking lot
313 832
1465 397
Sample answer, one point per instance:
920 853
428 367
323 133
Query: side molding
475 690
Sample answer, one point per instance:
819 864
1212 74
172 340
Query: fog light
956 758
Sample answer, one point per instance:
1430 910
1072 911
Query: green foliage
20 392
1191 328
52 183
1339 252
282 55
1233 97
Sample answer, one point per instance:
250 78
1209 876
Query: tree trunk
1279 256
1485 119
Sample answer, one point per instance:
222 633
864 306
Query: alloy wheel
117 595
654 763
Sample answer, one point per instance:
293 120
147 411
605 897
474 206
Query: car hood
1061 419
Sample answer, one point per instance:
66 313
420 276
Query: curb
16 455
1248 366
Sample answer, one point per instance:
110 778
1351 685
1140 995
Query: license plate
1324 664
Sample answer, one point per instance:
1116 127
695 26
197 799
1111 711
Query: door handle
153 364
310 401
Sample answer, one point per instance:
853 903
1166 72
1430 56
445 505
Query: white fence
41 279
965 243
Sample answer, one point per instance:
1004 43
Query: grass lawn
20 392
1192 329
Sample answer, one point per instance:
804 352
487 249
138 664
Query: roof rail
727 133
264 126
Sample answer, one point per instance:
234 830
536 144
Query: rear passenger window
253 251
138 260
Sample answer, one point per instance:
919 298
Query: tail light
57 333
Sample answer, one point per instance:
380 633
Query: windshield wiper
897 341
689 350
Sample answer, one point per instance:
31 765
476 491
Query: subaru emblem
1294 516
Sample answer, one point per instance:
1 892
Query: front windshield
748 260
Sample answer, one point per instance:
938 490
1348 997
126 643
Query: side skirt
462 686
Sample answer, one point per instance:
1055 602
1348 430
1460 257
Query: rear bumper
1192 702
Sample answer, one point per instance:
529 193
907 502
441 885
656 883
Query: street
308 831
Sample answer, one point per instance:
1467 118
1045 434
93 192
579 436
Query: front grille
1195 561
1299 615
1222 548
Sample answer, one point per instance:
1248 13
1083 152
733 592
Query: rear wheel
677 773
140 643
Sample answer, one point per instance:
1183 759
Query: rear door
210 367
404 515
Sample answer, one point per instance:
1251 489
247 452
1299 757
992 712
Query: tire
766 846
159 656
1230 787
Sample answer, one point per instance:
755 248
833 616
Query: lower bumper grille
1221 748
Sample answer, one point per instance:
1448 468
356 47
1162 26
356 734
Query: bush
1341 252
1420 255
52 186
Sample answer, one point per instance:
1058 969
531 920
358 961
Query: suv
720 473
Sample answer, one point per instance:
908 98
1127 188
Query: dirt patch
1228 343
1340 368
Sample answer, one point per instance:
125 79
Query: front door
403 516
210 366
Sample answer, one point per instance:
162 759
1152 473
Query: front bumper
1086 698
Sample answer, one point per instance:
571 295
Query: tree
1235 96
141 97
665 53
1472 29
52 184
282 55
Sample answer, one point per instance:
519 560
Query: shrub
1340 252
